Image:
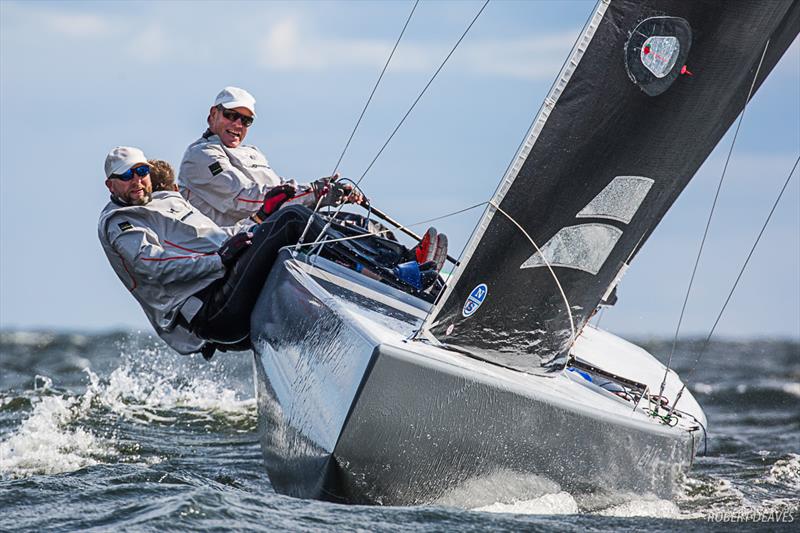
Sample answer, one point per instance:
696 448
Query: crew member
162 176
196 281
226 179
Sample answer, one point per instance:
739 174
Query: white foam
791 388
549 504
491 491
44 444
144 395
703 388
649 508
786 471
53 438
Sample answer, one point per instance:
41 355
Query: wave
758 393
65 432
786 472
46 444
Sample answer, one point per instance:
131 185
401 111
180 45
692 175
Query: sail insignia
655 52
474 300
619 200
587 246
584 247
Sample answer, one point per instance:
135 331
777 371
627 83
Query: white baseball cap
231 97
121 158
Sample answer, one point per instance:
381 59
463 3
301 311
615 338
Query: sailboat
370 394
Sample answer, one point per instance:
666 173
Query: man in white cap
228 180
196 281
163 250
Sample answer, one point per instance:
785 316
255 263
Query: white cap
121 158
231 97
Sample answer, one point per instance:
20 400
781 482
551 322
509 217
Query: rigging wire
361 116
375 88
434 219
399 124
708 221
430 81
736 282
388 230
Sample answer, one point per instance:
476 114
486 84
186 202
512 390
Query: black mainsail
649 89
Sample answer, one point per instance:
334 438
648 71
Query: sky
78 78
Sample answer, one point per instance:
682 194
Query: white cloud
287 46
149 45
534 58
78 25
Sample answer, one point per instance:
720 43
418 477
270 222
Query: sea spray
49 441
67 431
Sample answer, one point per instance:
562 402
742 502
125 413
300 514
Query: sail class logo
474 300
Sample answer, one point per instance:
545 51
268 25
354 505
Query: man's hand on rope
330 193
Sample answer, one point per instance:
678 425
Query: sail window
619 200
656 52
659 54
585 247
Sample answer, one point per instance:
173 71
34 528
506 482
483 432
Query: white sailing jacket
164 252
225 184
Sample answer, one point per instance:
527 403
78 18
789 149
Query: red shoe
427 246
440 251
432 247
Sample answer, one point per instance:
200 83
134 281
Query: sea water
116 432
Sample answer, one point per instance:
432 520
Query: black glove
274 199
233 247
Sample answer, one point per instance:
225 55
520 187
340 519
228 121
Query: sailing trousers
224 317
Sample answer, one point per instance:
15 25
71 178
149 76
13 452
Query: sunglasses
141 171
233 116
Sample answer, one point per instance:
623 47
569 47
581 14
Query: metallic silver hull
350 411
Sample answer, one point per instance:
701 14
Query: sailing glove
233 247
331 192
274 199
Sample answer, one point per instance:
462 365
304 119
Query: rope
738 277
708 222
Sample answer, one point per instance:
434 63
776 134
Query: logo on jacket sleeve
474 300
215 168
125 225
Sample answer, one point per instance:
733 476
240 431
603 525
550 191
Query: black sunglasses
141 171
233 116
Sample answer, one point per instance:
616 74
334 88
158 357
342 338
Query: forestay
648 90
